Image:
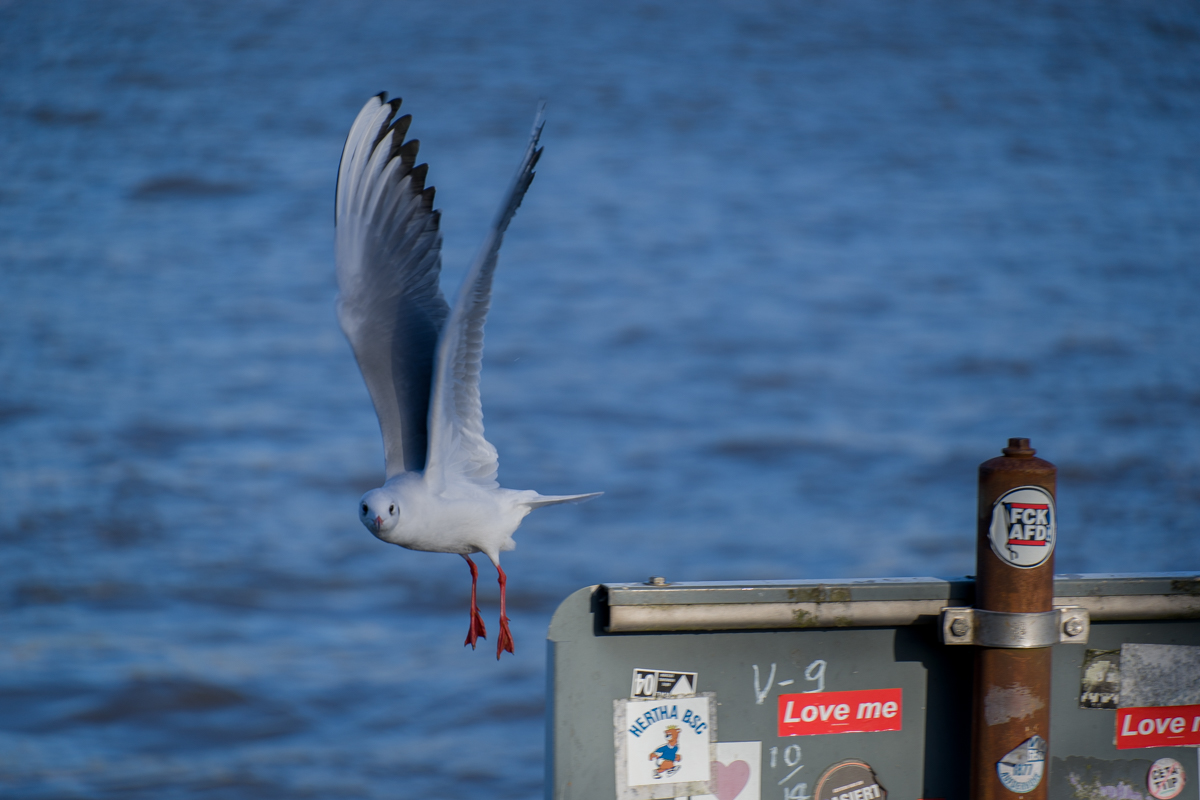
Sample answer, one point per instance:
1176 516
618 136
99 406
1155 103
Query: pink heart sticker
730 779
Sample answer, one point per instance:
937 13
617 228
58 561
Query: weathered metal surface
800 592
1159 675
1139 606
1011 699
760 605
589 667
1063 625
749 671
744 616
957 591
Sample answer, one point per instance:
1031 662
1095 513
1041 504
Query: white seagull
420 358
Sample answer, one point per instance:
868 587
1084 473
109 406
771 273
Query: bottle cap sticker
1023 528
1165 779
651 683
849 780
1021 770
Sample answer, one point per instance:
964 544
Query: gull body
421 358
464 518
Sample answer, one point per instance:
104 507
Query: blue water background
788 273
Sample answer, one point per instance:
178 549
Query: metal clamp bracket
1003 629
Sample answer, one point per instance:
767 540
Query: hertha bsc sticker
1023 528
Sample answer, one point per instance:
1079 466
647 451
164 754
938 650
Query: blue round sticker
1021 770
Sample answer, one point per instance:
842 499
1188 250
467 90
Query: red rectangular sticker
1158 726
865 711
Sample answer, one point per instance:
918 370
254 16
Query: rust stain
804 619
1186 586
820 594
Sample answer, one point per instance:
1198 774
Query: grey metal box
749 642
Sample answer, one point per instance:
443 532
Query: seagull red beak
378 522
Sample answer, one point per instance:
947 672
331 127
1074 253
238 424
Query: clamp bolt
1073 626
657 580
959 627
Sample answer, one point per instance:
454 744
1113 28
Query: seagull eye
365 509
392 509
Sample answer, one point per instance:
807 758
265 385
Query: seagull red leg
505 640
477 631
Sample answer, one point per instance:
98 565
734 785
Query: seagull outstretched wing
456 443
388 265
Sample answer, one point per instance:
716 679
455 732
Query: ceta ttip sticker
1166 779
1023 527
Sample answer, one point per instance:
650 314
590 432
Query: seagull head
378 511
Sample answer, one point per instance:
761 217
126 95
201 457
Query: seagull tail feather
554 499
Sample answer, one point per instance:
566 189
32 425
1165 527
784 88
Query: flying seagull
420 358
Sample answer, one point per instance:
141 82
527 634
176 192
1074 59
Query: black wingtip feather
418 177
427 197
386 126
408 152
398 129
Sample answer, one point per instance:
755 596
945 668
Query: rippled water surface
788 273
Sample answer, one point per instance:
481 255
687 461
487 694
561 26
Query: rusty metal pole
1014 574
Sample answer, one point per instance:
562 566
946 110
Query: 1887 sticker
1023 528
1021 770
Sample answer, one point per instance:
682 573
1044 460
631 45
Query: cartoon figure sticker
1021 770
849 780
665 747
1166 778
1023 528
666 758
736 772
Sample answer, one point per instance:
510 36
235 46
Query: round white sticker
1021 770
1023 527
1165 779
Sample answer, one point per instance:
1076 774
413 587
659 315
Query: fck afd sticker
1023 527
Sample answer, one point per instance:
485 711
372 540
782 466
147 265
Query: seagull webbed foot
504 641
477 630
